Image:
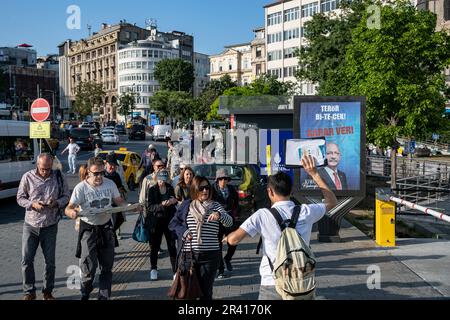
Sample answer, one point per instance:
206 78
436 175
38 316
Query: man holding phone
42 192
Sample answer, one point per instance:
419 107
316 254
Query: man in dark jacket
227 196
111 173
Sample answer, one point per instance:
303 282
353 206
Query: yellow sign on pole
269 160
40 130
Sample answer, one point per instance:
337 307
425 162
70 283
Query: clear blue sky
213 23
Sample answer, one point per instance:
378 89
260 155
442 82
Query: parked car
107 129
109 136
250 185
422 152
84 137
137 131
120 129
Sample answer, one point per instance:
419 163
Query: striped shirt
210 230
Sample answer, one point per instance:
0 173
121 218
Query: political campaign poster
341 122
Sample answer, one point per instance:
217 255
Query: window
446 9
291 14
258 52
274 55
310 9
291 34
274 18
15 149
274 37
289 52
144 54
275 72
328 5
258 69
289 71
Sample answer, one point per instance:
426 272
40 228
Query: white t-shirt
87 197
262 222
73 149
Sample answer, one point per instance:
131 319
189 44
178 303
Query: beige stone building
234 61
258 46
96 59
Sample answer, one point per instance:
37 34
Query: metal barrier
414 206
385 216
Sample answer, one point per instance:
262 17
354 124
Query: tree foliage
88 95
398 67
127 103
173 104
175 75
266 90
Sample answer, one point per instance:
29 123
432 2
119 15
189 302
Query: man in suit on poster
333 177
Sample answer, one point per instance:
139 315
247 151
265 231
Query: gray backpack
294 268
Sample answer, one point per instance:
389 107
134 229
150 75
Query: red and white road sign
40 110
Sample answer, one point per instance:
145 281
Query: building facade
21 56
201 70
258 47
235 61
95 59
284 24
136 64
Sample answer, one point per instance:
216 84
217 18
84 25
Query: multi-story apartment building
285 20
201 70
258 46
136 63
95 59
20 56
234 61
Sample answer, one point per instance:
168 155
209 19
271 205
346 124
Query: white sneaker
69 172
154 275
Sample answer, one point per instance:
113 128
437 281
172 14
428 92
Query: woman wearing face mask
197 223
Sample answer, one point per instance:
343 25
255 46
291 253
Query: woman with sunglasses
196 225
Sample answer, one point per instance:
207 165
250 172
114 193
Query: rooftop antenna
90 29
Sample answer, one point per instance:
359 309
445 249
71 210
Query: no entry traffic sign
40 110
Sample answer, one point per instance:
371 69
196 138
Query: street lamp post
53 102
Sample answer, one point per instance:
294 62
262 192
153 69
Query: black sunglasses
98 174
204 188
224 178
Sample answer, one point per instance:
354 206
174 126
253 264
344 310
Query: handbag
186 285
140 233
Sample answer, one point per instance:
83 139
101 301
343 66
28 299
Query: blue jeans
72 165
31 239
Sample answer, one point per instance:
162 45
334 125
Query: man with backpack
287 266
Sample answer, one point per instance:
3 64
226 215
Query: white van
18 154
160 131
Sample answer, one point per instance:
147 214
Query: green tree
88 95
173 104
175 75
265 91
127 103
210 94
398 67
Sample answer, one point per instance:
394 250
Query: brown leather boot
29 297
48 296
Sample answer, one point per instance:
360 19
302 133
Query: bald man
334 178
42 192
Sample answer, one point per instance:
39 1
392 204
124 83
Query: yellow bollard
384 219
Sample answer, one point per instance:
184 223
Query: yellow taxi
129 125
130 163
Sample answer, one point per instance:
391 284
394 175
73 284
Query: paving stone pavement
415 269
